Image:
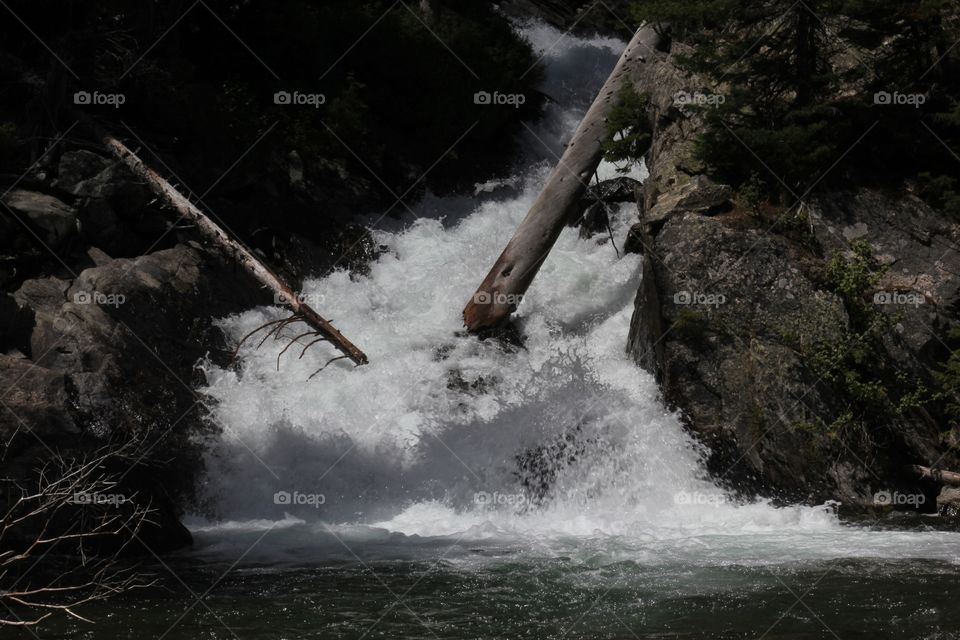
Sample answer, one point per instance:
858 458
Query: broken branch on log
937 475
511 275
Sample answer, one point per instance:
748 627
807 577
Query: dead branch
274 329
281 290
937 475
34 525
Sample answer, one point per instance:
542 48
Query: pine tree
804 81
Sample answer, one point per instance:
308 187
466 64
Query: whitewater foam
427 441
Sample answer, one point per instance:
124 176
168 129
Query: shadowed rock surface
764 326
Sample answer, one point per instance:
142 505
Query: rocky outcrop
100 345
801 346
948 502
111 354
106 309
54 221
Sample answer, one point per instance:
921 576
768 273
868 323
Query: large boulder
36 404
55 221
948 502
112 355
717 320
758 333
75 167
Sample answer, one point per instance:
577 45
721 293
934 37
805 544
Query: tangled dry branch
74 519
274 329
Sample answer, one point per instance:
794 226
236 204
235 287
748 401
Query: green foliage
941 191
807 85
691 325
398 84
628 131
949 380
868 387
753 192
851 279
690 20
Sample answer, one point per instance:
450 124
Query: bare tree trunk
938 475
247 260
503 288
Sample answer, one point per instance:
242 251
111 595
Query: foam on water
422 443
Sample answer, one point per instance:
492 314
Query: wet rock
42 294
737 321
114 352
596 219
721 311
35 405
948 502
622 189
539 466
98 257
55 221
88 175
699 195
634 242
78 166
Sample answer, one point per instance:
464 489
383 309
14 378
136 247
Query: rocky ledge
107 307
804 346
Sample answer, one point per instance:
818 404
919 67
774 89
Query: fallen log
321 328
511 275
937 475
281 290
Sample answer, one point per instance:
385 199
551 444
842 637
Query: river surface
459 488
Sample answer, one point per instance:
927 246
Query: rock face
775 332
54 220
106 307
948 502
112 354
105 349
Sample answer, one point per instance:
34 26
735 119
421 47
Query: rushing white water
422 443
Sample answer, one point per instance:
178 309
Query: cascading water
561 443
459 488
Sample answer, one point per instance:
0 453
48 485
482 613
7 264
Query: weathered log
163 189
511 275
937 475
281 290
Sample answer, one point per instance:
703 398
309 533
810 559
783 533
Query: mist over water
424 447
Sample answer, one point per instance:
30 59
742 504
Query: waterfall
550 445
